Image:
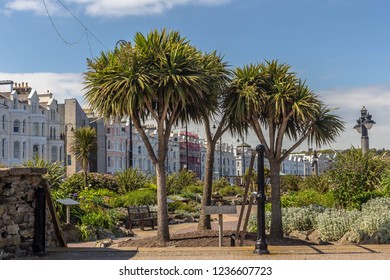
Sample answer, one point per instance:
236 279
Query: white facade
29 125
303 164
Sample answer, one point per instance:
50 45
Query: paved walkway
87 250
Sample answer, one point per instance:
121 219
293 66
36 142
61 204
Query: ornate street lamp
364 123
243 145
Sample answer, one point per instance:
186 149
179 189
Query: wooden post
220 224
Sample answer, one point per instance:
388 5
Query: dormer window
15 104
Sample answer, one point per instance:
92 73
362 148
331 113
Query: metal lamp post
364 123
220 151
261 246
130 121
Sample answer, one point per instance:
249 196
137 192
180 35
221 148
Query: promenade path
87 250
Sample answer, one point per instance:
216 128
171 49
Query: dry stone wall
17 212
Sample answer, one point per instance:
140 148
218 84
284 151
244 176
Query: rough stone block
30 195
13 229
24 208
10 241
27 233
3 210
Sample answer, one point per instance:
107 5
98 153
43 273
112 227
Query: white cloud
108 8
34 6
62 85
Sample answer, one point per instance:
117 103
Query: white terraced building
29 125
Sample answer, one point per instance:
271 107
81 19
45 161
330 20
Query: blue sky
340 47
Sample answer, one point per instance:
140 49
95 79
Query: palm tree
161 77
219 77
270 99
83 144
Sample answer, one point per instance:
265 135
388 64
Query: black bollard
261 246
233 240
40 222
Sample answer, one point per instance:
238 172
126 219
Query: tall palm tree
270 99
83 144
218 81
161 77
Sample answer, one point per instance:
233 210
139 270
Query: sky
341 48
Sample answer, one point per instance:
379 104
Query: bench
141 216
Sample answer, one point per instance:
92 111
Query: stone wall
17 211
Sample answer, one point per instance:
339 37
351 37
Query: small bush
302 218
136 198
290 183
131 180
333 224
75 183
306 198
220 184
252 223
319 183
230 190
179 181
374 216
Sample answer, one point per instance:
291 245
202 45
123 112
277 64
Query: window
54 153
15 103
35 151
69 160
109 145
16 150
36 129
24 126
3 148
16 126
3 122
60 157
43 129
43 151
108 130
24 150
139 150
108 161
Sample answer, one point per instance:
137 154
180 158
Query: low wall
17 212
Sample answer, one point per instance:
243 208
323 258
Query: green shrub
75 183
333 224
179 181
195 189
374 216
302 218
306 198
356 177
319 183
290 183
252 223
104 219
136 198
131 180
220 184
230 190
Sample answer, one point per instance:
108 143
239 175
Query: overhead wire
86 30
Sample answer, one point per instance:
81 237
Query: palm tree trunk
162 213
276 220
204 220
